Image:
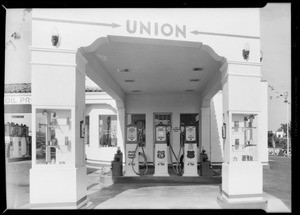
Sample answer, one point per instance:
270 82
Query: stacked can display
17 142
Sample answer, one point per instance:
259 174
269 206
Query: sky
276 63
275 45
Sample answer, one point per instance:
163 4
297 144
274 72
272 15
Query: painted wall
216 122
94 153
17 54
175 104
263 123
227 31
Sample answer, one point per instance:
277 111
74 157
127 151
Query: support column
264 124
121 127
58 91
205 127
242 178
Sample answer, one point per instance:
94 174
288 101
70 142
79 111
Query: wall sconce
82 129
55 37
224 131
246 51
261 55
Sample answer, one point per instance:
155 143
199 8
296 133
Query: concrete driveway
158 195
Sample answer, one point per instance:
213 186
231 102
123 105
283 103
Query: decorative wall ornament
55 38
261 55
246 51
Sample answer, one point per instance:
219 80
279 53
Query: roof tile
26 88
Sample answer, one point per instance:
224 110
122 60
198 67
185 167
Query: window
140 121
107 131
53 136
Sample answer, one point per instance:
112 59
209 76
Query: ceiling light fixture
197 69
136 91
122 70
190 90
129 80
194 80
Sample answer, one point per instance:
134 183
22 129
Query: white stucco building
152 66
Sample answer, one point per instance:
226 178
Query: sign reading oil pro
132 159
17 100
161 155
190 150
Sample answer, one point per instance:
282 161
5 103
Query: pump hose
175 170
178 160
145 160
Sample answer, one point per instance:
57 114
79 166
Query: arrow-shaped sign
113 25
195 32
219 34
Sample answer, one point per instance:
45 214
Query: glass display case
53 136
244 137
108 131
140 121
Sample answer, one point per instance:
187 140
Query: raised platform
150 178
257 204
173 179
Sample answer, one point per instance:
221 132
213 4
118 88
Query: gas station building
160 71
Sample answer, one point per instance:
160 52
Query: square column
205 127
242 178
58 179
121 127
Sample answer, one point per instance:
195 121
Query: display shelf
247 145
52 126
244 142
53 142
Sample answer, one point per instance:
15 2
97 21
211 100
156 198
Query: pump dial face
190 134
131 133
160 133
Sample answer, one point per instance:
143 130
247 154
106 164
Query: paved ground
277 180
277 184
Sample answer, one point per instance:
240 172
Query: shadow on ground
113 190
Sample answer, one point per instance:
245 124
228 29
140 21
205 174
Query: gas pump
190 151
160 154
131 153
23 146
16 140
